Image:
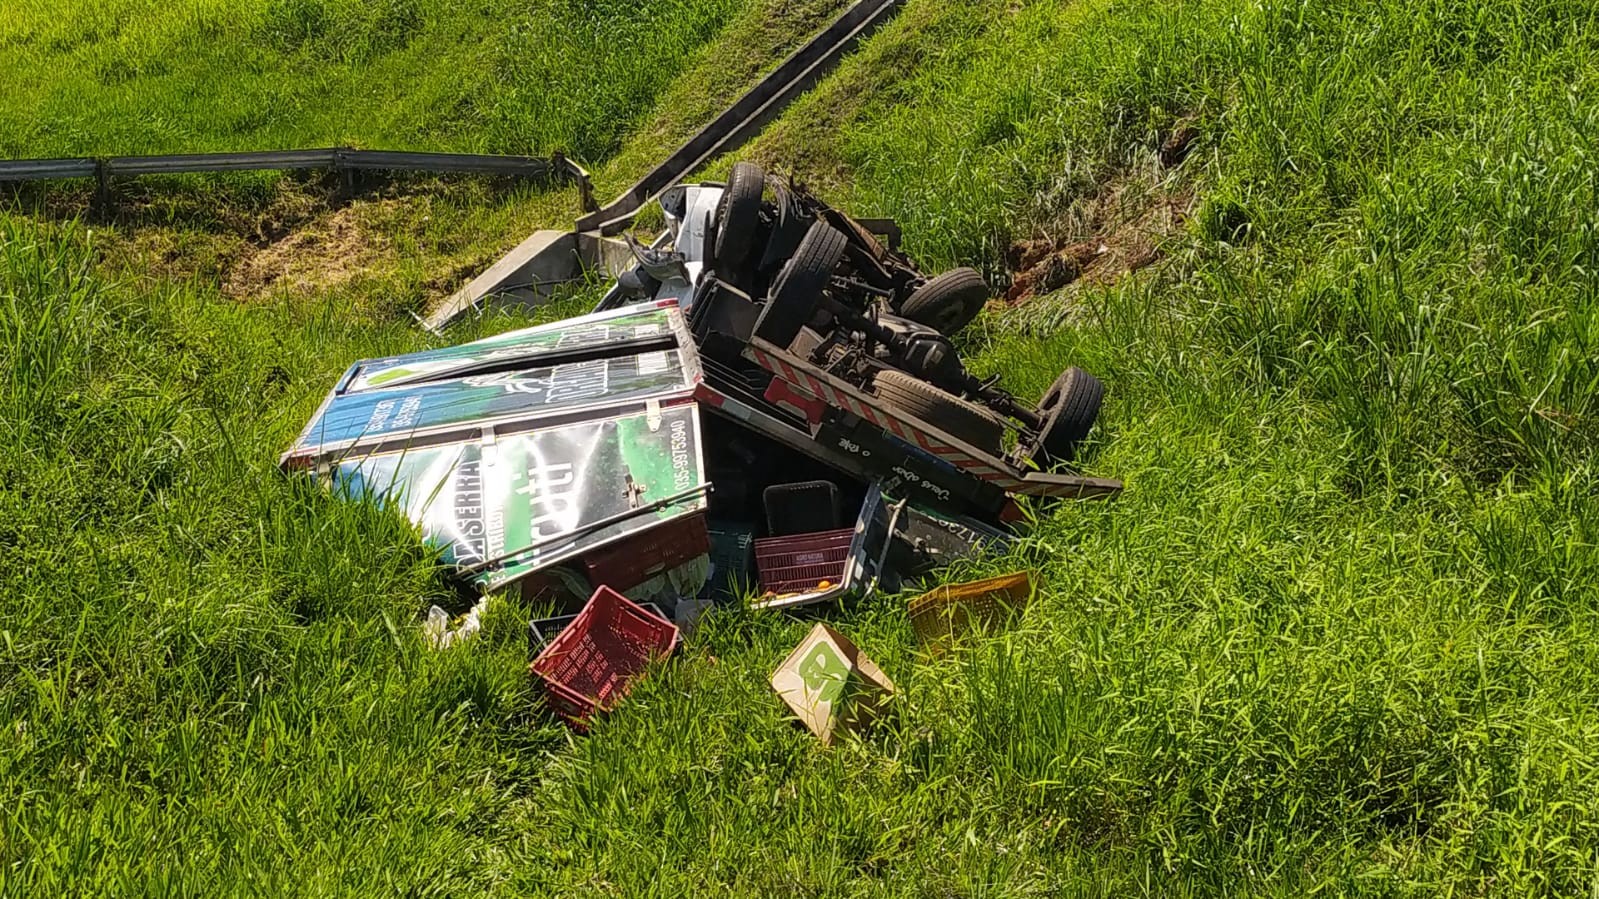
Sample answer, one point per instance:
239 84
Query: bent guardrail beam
526 274
531 272
800 72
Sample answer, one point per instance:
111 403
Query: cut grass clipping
1335 638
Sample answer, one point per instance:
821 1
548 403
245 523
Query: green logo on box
824 672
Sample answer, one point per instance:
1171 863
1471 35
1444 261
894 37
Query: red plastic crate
639 558
797 564
592 663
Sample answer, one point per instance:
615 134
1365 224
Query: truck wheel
738 215
794 292
949 302
1069 409
944 411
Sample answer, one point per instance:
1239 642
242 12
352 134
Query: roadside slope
1335 637
615 85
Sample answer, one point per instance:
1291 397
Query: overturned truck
766 402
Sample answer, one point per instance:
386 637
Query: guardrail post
348 175
103 199
573 172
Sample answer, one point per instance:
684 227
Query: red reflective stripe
705 394
796 381
831 396
848 403
763 360
894 425
960 458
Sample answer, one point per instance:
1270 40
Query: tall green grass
131 76
1334 639
1333 636
210 674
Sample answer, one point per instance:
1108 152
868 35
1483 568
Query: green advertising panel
597 330
502 507
579 367
434 406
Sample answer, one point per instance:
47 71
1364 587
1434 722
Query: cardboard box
831 685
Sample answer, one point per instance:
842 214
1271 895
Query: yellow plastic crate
944 613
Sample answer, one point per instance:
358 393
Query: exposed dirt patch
167 254
402 243
182 234
1175 149
327 252
1118 230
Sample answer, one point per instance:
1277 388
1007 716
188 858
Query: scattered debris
768 402
830 685
803 562
593 662
436 628
812 568
945 613
689 612
671 559
542 630
530 449
732 560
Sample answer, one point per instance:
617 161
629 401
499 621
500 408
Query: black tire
949 302
944 411
1069 408
738 216
795 290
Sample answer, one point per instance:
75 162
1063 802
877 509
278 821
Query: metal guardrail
516 166
48 169
134 166
345 160
803 69
736 125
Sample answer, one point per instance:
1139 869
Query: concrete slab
531 272
604 254
525 276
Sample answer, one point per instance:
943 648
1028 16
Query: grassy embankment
583 78
132 76
1335 636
